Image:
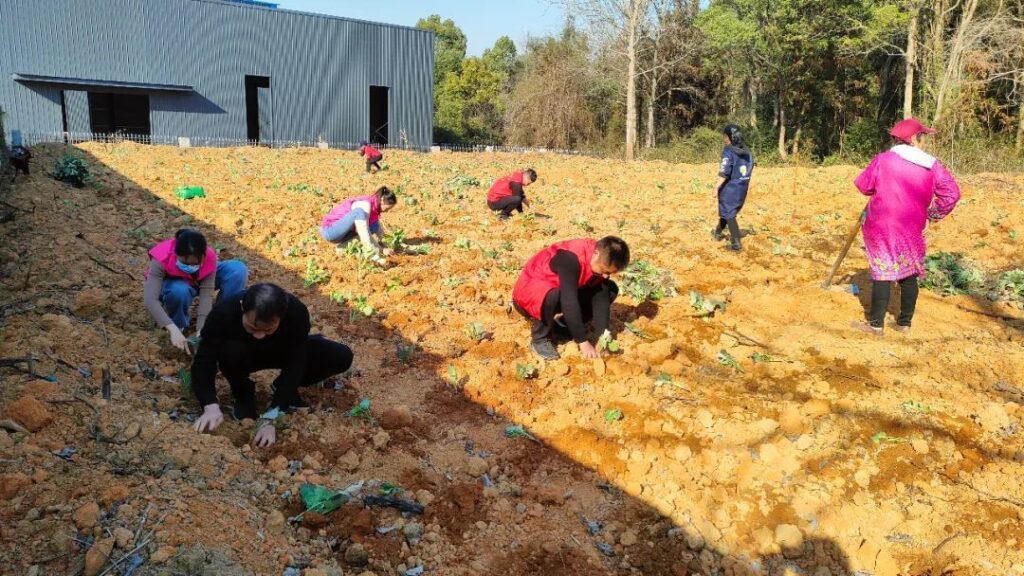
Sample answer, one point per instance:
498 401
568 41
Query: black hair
189 242
735 135
615 251
269 301
387 197
363 143
531 173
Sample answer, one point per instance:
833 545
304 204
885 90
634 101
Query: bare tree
619 23
669 42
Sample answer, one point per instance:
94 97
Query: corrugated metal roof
84 83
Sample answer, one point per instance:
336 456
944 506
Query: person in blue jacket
733 181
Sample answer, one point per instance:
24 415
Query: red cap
905 130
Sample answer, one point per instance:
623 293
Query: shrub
949 274
72 170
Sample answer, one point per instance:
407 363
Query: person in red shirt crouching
566 285
508 193
373 157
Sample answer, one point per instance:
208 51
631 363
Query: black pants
881 290
595 305
324 358
373 161
507 204
734 228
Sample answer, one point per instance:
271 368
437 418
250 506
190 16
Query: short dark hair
387 197
531 173
189 242
269 301
614 251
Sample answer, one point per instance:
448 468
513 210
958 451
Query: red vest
164 254
501 188
370 151
537 278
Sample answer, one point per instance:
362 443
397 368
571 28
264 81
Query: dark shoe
545 349
245 408
559 330
735 247
717 235
867 329
502 216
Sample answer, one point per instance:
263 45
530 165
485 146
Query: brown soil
708 475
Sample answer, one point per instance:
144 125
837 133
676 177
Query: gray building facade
211 70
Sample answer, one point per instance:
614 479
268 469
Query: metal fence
32 138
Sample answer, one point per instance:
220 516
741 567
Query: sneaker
545 349
867 328
245 408
902 329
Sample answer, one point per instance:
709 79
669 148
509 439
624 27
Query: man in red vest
570 279
508 194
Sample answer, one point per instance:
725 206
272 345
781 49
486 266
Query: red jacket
537 278
369 152
501 187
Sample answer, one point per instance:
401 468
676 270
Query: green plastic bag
190 192
320 499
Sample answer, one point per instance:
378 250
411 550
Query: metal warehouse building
211 71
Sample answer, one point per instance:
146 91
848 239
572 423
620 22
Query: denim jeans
177 294
344 230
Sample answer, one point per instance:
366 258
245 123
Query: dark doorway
379 114
118 113
253 84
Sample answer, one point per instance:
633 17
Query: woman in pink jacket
908 188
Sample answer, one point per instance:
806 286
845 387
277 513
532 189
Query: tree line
808 80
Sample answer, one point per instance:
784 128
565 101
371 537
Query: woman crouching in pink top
908 188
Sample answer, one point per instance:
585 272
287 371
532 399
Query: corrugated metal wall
321 68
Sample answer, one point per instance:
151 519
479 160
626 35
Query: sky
483 21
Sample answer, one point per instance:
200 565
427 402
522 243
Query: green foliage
461 182
582 223
463 243
320 499
72 170
644 281
314 274
613 415
449 46
726 359
706 306
1011 284
395 239
762 357
389 489
517 431
476 331
526 371
361 410
607 343
949 274
405 352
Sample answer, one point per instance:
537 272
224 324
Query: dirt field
847 454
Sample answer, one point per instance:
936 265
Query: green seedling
405 352
581 223
476 332
361 410
389 489
361 305
185 375
706 306
314 274
339 297
453 376
613 415
526 371
726 359
664 379
915 406
884 438
762 357
517 431
643 281
607 343
452 281
637 332
463 243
